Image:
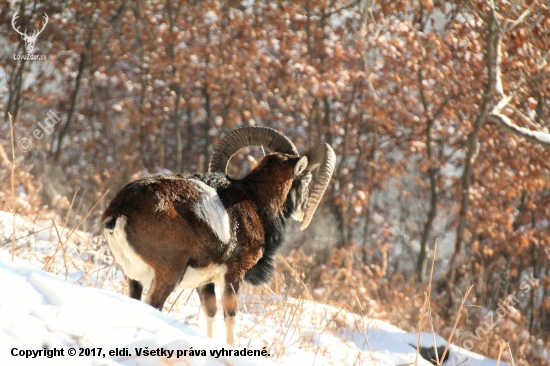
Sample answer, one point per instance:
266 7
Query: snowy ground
79 305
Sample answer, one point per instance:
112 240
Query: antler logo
29 40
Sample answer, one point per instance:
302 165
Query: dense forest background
438 113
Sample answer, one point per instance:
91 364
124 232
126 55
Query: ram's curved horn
324 156
245 137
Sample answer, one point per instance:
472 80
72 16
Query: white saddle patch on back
210 209
131 263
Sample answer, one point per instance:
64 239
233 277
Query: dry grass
341 281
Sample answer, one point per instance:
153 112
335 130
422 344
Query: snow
40 310
43 310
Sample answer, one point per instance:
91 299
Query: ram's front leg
207 295
230 306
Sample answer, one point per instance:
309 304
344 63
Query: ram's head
300 204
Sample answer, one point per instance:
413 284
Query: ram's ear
300 166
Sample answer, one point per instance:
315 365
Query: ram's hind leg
135 288
230 307
209 307
164 282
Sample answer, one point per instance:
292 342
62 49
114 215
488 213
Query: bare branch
527 120
496 115
498 61
501 104
345 7
495 66
541 138
521 17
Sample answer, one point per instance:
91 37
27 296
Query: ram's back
158 220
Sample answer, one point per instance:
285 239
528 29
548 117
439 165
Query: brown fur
168 235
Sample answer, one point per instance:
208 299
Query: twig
502 346
522 17
177 298
458 316
105 277
510 352
4 157
365 329
426 302
297 277
429 303
94 271
46 265
69 212
420 323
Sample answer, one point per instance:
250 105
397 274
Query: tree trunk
207 126
433 176
472 152
176 118
15 86
74 100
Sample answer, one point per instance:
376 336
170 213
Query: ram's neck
268 195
